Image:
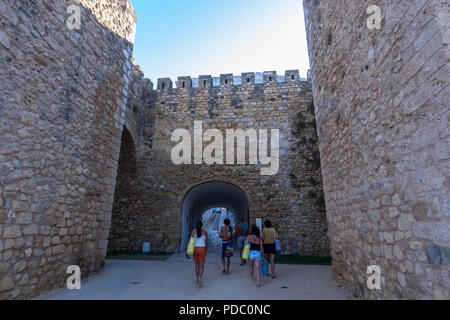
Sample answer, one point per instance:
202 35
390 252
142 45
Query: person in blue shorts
256 254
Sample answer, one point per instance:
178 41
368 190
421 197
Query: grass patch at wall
296 259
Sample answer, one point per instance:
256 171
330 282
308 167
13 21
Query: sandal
227 272
224 271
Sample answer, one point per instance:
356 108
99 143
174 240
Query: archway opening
121 236
213 220
200 201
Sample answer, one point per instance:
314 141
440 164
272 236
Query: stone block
11 232
6 284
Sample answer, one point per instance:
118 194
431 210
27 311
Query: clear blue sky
195 37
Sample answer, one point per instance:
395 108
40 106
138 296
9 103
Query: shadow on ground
174 279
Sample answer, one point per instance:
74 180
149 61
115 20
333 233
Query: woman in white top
201 246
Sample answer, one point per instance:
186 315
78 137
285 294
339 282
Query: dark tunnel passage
211 195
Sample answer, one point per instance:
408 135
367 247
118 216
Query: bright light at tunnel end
213 153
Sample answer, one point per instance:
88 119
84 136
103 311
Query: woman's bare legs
197 268
272 264
250 263
201 269
258 272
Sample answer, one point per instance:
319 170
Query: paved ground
174 279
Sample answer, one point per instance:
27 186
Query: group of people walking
260 246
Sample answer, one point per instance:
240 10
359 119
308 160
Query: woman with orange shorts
201 246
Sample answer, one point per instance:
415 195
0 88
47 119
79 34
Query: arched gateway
209 195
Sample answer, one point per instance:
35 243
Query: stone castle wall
63 97
381 99
74 117
150 208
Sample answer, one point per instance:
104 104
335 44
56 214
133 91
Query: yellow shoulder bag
191 247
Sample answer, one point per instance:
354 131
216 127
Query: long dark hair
199 229
255 231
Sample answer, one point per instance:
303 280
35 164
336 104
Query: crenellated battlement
224 80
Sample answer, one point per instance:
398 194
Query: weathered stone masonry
292 199
381 99
62 109
73 117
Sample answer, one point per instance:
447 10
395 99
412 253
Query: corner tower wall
381 102
63 99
